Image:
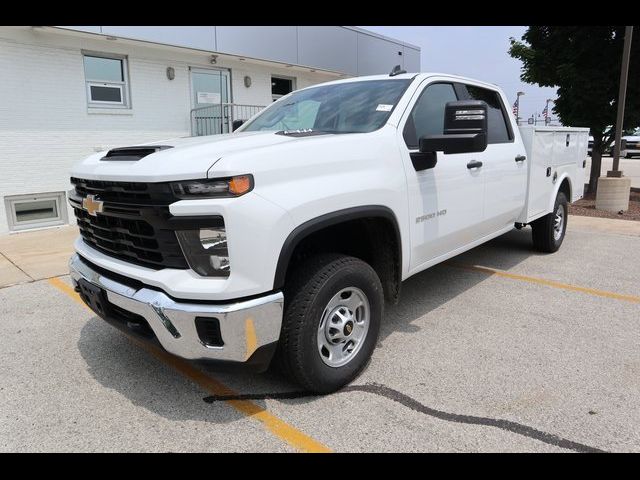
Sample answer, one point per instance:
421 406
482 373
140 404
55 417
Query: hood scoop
132 154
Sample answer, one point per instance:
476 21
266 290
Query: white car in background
631 145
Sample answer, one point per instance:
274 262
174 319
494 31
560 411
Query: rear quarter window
499 130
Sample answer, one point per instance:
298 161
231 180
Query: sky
477 52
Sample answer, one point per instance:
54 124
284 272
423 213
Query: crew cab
282 241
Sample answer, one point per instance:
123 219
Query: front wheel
333 308
548 231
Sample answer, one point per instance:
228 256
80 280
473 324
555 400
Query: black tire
308 291
544 232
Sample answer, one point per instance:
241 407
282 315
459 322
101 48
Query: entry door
446 201
209 94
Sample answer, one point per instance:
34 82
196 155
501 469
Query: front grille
135 224
125 192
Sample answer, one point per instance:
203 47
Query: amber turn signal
240 185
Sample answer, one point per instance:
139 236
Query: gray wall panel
200 37
89 28
268 43
377 56
411 59
331 48
341 49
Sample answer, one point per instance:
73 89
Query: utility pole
622 94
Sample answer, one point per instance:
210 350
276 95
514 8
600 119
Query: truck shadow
432 288
120 365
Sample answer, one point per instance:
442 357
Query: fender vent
132 154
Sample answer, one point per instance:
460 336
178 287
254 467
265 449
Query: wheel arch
318 224
563 184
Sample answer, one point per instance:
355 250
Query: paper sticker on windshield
382 107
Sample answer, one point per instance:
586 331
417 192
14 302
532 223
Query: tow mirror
465 129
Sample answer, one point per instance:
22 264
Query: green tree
583 62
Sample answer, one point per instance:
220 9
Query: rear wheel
548 231
333 308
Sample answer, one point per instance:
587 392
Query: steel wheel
343 327
558 223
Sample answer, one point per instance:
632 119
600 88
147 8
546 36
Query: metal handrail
218 118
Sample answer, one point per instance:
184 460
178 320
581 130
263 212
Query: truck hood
189 157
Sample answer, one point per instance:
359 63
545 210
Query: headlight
219 187
206 250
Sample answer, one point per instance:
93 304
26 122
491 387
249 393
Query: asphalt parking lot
500 349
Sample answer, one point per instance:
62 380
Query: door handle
520 158
474 164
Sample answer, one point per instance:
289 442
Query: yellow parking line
548 283
273 424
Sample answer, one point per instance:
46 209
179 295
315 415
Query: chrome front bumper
245 326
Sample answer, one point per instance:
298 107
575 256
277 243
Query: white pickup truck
285 238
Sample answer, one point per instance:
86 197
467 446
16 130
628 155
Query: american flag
545 112
515 108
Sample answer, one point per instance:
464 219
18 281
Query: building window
281 86
106 80
37 210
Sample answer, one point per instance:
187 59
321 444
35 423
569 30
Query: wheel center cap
348 328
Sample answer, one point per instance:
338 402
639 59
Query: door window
210 87
427 116
497 123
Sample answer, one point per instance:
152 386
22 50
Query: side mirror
465 129
236 125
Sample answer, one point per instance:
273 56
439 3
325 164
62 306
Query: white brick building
69 91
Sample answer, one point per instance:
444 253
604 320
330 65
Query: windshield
353 107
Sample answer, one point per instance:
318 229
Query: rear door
446 201
504 163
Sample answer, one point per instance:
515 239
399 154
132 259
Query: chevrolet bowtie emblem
92 205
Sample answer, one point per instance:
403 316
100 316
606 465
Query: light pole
614 189
624 73
547 117
518 95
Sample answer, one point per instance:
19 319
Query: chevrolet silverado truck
281 242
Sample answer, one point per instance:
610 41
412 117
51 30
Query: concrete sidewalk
30 256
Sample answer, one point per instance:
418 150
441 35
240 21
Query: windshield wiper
309 132
301 132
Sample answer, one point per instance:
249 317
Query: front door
209 96
446 201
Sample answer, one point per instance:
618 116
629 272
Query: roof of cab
408 76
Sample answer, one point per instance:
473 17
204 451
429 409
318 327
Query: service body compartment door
554 153
583 145
539 146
